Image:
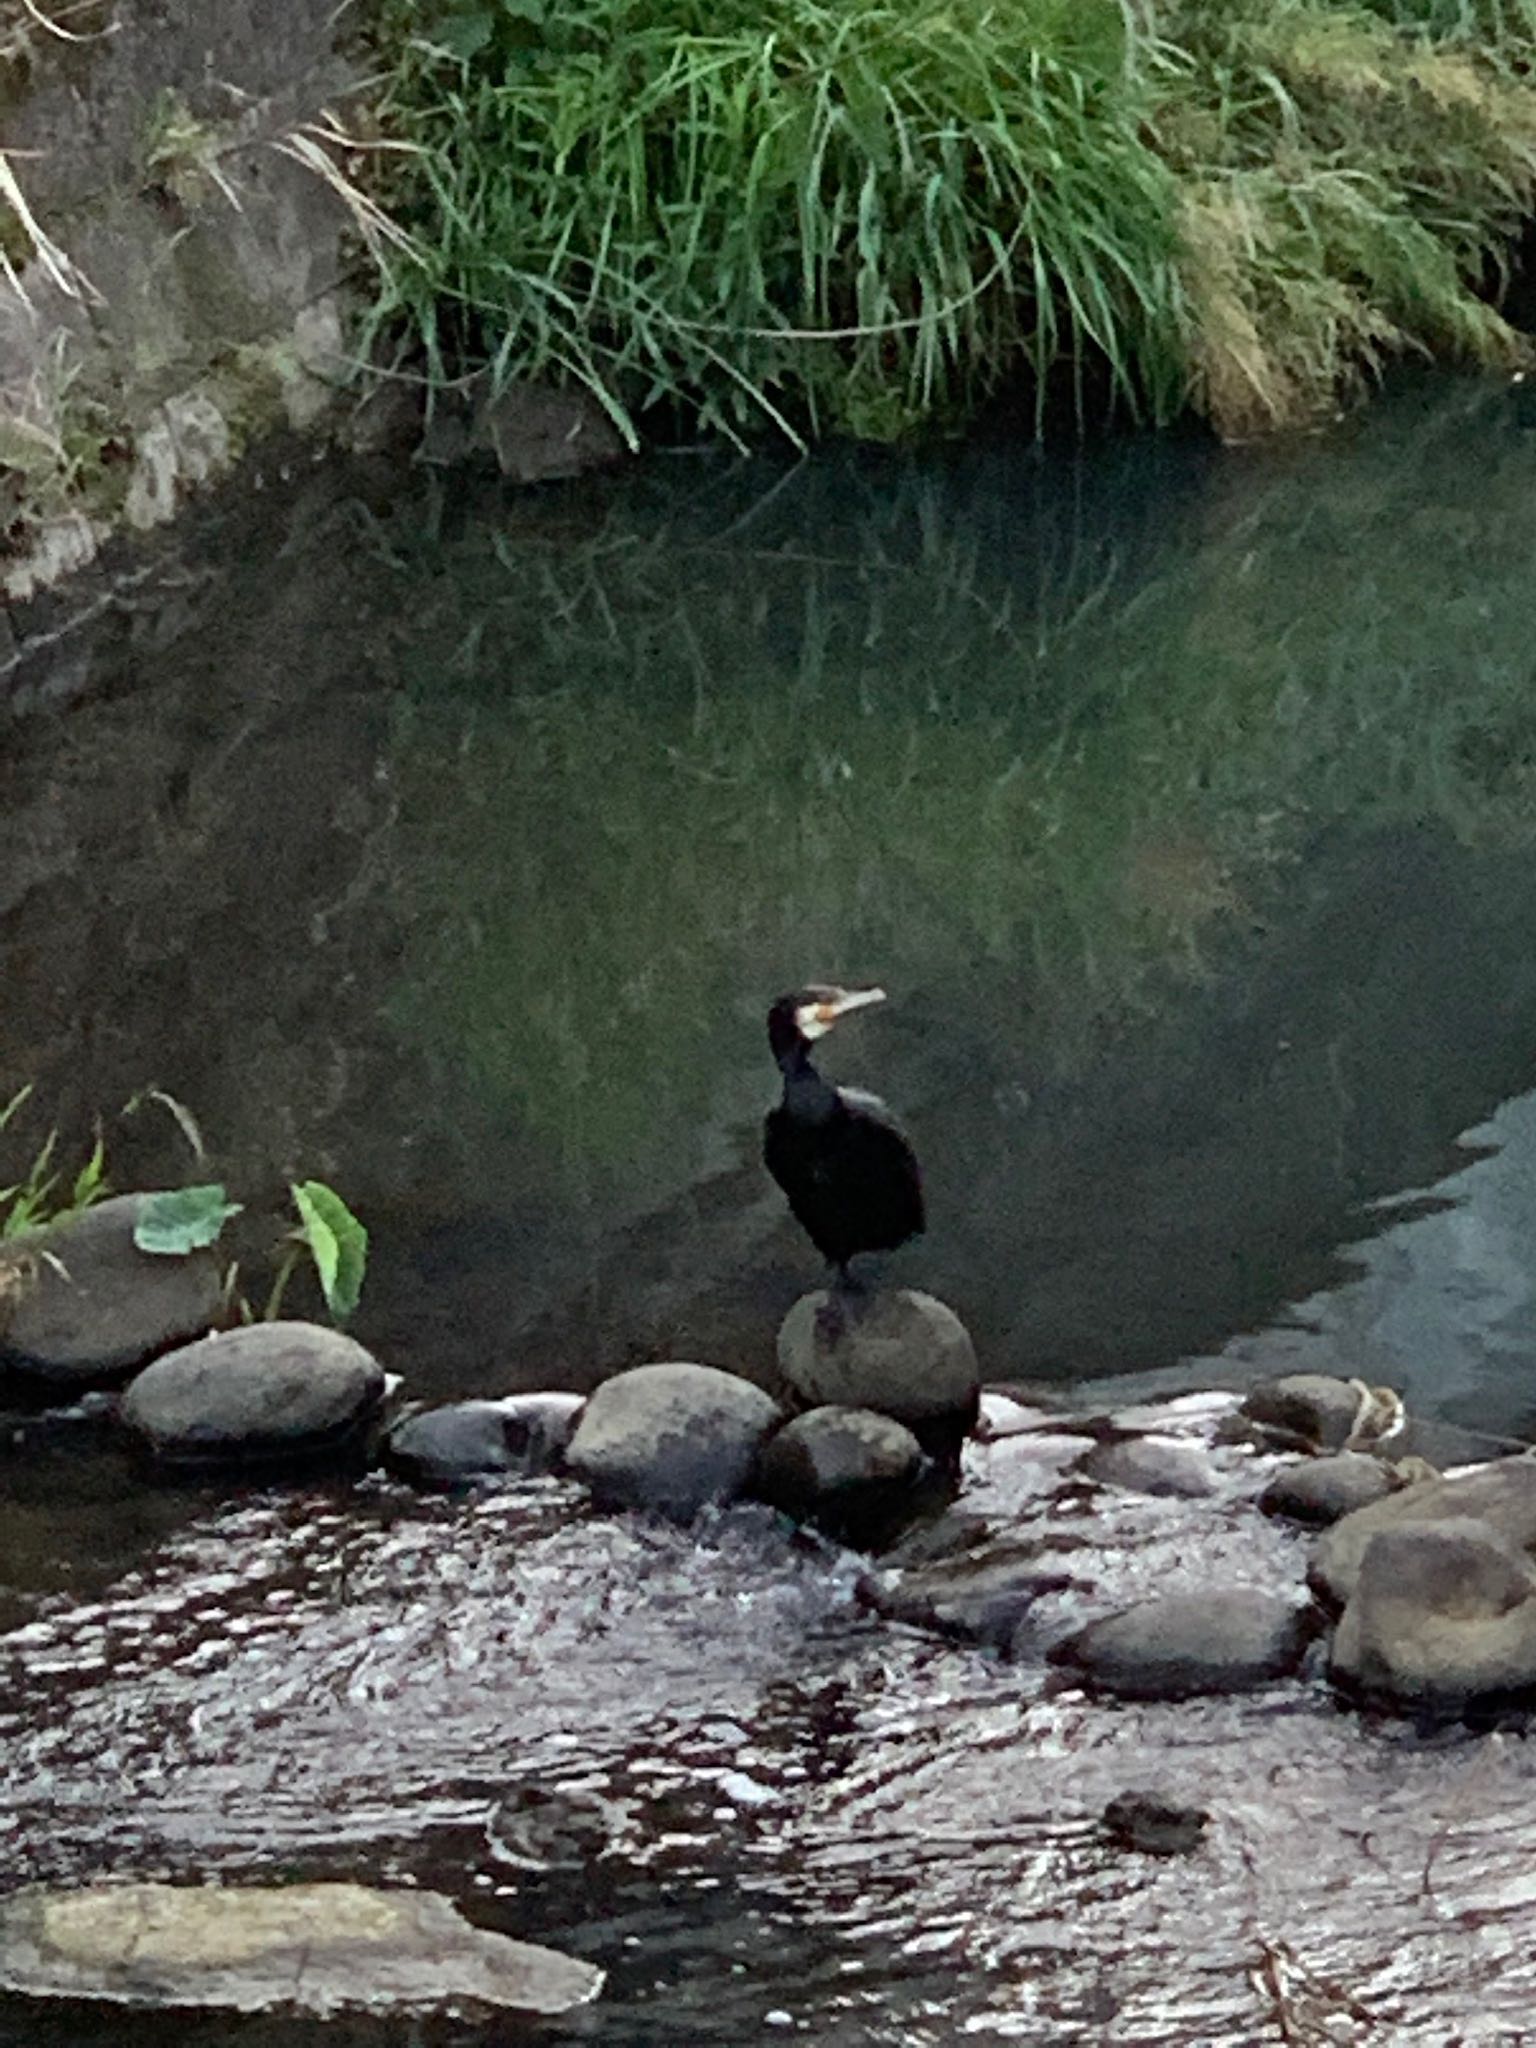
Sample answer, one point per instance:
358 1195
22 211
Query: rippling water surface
448 843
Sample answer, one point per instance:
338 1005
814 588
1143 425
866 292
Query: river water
448 843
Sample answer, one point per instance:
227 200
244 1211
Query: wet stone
536 1827
466 1441
271 1390
1442 1617
896 1350
313 1948
981 1596
1144 1464
1003 1415
1306 1409
670 1438
1319 1491
1502 1494
1186 1644
82 1303
1157 1827
856 1475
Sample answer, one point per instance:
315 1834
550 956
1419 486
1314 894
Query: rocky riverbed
1061 1762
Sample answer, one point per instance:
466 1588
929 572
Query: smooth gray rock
268 1390
1144 1464
981 1596
1310 1408
671 1438
1184 1644
1157 1827
855 1474
896 1350
465 1441
1442 1615
1502 1494
96 1306
313 1948
1319 1491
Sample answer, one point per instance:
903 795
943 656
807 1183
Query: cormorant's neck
808 1096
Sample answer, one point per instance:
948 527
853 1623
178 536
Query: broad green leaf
338 1244
183 1219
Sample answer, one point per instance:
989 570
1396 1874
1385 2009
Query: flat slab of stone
467 1441
982 1595
1185 1644
1502 1494
897 1350
1321 1491
1442 1617
96 1306
1145 1464
270 1390
670 1438
312 1948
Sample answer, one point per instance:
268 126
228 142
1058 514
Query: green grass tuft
815 216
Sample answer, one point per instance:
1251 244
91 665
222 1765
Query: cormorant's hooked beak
815 1018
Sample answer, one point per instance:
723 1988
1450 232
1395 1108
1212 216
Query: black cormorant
840 1156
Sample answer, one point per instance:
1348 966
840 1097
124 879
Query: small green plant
185 1220
175 1222
181 152
45 1195
332 1236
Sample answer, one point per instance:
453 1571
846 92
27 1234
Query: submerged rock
82 1303
848 1471
1185 1644
1144 1464
1320 1491
314 1948
1442 1616
1312 1410
271 1390
539 1828
464 1441
671 1438
899 1351
1140 1820
983 1595
1502 1494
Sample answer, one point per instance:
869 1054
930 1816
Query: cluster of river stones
1420 1586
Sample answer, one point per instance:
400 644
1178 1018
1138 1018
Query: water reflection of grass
689 764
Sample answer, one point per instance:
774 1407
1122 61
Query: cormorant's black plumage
840 1156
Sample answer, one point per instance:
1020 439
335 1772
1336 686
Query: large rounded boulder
1503 1495
81 1304
898 1351
269 1391
670 1438
1442 1616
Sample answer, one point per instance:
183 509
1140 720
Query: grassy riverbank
806 216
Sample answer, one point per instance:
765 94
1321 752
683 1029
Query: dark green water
448 844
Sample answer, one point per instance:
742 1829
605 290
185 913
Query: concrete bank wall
171 274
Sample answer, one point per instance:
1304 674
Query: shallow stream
448 843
